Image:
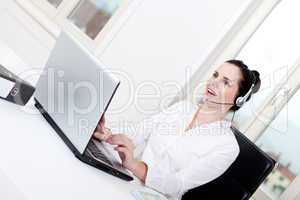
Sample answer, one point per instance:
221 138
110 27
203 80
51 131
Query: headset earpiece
241 100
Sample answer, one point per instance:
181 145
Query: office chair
241 179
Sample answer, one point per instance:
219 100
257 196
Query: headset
240 100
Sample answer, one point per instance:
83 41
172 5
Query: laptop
13 88
73 93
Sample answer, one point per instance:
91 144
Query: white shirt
178 162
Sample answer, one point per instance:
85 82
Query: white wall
157 44
160 41
21 33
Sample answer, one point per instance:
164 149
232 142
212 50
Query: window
85 19
272 51
281 141
90 16
55 3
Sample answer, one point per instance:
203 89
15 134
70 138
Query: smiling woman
185 145
236 83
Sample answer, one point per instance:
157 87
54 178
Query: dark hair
249 77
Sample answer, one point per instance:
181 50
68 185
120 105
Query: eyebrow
226 78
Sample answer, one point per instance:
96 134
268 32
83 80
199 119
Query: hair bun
256 81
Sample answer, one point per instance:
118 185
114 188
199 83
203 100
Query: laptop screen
75 89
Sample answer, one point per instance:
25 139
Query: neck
209 113
206 114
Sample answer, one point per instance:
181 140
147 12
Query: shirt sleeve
198 172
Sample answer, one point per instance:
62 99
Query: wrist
133 166
139 169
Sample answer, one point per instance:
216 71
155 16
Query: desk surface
38 163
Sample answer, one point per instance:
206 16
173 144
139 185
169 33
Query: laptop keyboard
97 153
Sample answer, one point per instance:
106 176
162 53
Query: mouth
211 92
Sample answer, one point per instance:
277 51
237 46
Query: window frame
275 102
230 44
46 7
274 105
55 19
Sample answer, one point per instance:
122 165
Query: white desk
39 165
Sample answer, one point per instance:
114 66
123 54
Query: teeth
210 91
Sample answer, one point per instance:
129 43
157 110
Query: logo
14 91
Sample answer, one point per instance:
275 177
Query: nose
214 83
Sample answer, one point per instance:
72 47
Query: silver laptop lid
75 89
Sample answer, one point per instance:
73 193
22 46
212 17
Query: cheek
230 94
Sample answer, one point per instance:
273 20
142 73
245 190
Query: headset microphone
239 101
221 103
202 99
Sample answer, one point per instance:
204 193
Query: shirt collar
192 108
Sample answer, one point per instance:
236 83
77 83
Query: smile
211 92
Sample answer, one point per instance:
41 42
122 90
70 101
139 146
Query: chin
205 97
210 97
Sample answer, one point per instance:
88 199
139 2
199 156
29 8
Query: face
223 85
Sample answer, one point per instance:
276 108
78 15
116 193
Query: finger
128 142
101 123
103 129
102 136
98 135
100 127
123 150
119 139
102 120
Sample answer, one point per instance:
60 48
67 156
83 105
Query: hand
125 148
102 133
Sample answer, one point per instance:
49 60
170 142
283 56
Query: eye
215 74
227 82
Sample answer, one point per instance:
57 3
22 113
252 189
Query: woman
187 145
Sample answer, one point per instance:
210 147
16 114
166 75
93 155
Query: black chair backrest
241 179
